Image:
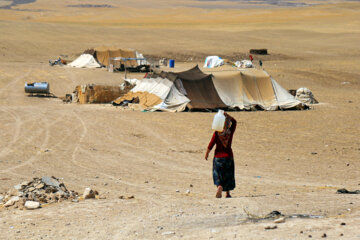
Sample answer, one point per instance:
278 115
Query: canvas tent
155 94
197 86
224 88
104 55
85 61
251 88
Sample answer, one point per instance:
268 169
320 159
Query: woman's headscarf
226 133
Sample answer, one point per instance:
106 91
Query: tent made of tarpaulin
156 94
249 88
85 61
105 54
197 86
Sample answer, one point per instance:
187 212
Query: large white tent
248 88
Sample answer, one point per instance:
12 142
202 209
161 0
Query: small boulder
279 220
30 205
12 201
18 187
39 186
270 227
88 193
50 181
25 183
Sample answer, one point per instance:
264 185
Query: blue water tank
37 87
171 63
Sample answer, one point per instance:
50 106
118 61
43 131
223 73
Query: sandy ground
152 155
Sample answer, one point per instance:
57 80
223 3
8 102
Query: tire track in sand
17 122
44 133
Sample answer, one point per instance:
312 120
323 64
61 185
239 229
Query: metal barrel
37 87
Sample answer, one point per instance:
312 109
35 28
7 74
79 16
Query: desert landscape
149 167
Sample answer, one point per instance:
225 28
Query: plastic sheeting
305 95
85 61
248 88
213 61
141 62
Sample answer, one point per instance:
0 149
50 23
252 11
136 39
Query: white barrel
219 121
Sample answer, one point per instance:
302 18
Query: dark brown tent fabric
197 86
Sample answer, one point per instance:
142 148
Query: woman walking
223 163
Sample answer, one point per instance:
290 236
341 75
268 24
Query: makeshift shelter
155 94
197 86
91 93
104 55
251 88
85 61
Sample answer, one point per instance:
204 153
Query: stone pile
32 194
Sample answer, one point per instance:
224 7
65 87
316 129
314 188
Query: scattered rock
13 192
50 181
301 231
12 201
279 220
41 190
342 224
324 235
177 190
313 153
187 191
131 197
88 193
39 186
30 205
191 185
310 236
168 233
341 234
270 227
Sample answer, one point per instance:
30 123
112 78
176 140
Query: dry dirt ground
290 161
